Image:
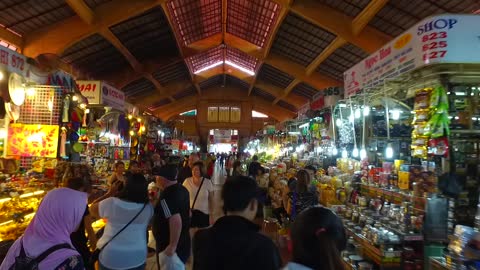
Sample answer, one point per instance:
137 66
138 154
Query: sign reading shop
446 38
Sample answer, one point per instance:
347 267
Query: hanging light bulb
389 151
358 113
334 151
366 110
395 114
355 152
339 122
363 153
344 153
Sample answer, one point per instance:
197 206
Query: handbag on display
199 219
96 253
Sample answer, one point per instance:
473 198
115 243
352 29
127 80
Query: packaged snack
419 152
421 129
419 140
421 116
422 99
438 147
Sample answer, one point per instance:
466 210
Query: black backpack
23 262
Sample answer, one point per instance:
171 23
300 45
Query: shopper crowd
180 216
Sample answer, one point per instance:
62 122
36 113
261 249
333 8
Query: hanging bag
96 253
198 218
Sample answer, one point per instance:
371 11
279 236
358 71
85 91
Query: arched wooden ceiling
155 50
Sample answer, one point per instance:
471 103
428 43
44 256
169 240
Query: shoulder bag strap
44 254
49 251
198 191
124 227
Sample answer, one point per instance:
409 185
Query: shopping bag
170 263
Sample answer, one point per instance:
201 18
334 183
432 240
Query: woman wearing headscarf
59 214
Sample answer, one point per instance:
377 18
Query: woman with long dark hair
128 212
318 236
301 198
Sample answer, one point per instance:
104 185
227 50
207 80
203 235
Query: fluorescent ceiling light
249 72
303 125
208 67
294 133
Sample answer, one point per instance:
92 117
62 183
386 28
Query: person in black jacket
234 241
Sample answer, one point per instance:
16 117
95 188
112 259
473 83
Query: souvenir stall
31 140
406 180
106 129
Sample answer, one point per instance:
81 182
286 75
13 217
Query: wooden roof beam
258 104
82 10
182 50
158 86
367 14
59 36
358 24
287 91
268 45
122 78
274 90
340 24
332 47
170 88
12 38
87 15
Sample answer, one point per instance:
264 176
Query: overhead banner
113 97
90 90
14 61
448 38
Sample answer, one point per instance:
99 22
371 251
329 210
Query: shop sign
318 101
222 135
445 38
14 61
32 140
90 90
112 97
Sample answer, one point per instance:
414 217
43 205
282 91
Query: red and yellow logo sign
402 41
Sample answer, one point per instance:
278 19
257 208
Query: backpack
23 262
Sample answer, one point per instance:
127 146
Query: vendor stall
416 169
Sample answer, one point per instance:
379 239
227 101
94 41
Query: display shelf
394 196
99 143
386 259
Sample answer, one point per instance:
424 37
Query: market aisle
219 175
